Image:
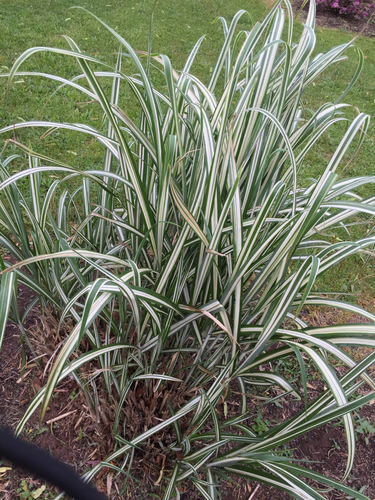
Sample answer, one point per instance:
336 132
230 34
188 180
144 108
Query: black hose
42 464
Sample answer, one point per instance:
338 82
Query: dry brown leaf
109 484
310 386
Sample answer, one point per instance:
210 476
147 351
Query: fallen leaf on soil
36 384
38 492
33 482
100 486
310 386
109 484
93 462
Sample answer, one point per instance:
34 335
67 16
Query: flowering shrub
356 8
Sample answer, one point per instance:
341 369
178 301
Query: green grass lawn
177 26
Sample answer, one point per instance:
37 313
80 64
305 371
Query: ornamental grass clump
185 260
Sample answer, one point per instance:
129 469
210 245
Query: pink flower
356 8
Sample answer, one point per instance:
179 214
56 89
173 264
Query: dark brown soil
18 383
324 450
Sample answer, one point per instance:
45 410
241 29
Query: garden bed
329 19
73 435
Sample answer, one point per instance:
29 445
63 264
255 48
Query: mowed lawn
177 25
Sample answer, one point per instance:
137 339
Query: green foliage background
177 26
